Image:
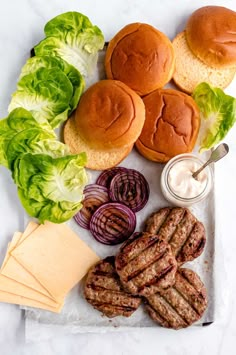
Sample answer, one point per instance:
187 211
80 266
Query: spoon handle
202 167
216 155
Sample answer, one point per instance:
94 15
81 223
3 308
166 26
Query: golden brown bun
190 71
171 126
110 115
140 56
211 35
96 159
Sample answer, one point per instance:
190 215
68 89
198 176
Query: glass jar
175 197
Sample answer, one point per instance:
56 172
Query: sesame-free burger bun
171 126
96 159
191 71
211 35
140 56
109 116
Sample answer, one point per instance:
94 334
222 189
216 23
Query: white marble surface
21 26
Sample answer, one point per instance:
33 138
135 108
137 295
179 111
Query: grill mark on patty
169 227
186 299
140 263
156 278
129 252
183 231
186 235
155 221
113 298
200 294
169 313
157 316
104 291
183 295
149 277
176 310
139 271
115 308
185 249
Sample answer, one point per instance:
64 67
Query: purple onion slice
105 177
94 196
130 188
112 223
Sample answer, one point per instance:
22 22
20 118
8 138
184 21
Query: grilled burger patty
180 305
104 292
181 230
145 264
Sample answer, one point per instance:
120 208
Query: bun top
171 126
110 115
211 35
140 56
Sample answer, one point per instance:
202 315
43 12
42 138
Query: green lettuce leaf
50 147
218 114
57 212
72 37
24 142
50 188
45 93
18 120
49 62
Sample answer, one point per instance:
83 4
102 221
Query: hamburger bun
110 116
96 159
211 35
171 126
140 56
191 71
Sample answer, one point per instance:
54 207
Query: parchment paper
78 316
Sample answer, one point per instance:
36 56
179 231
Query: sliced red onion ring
105 177
112 223
94 196
130 188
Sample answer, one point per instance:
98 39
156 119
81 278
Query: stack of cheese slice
42 265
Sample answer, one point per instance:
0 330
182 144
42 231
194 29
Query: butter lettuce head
72 37
218 114
49 62
46 93
51 188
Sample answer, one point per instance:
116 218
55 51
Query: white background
21 27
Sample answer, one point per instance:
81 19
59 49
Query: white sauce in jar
182 183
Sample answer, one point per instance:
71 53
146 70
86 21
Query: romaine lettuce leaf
50 188
45 93
218 114
72 37
50 62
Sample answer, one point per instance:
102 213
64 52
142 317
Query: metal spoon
216 155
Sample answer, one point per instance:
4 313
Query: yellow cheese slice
30 228
17 238
7 253
15 271
56 257
13 287
8 297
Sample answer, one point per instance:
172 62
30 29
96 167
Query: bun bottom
191 71
96 159
151 154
